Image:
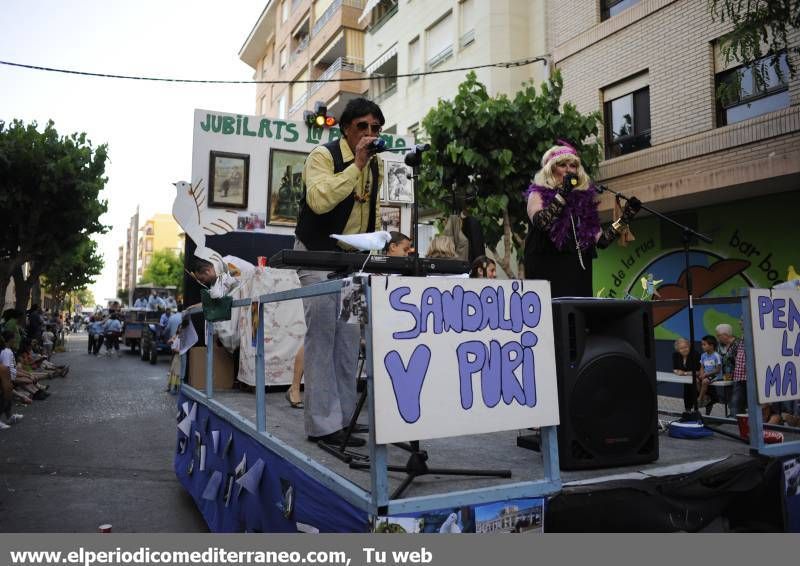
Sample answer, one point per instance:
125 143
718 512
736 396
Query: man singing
341 184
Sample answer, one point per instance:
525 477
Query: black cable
508 64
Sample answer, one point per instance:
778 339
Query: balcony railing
299 103
341 64
302 46
386 93
439 58
466 39
331 10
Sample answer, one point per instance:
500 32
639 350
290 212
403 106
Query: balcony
301 47
340 14
386 93
439 58
328 85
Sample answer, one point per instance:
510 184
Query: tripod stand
687 234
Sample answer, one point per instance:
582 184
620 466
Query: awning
376 64
367 9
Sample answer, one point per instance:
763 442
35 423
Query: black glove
632 207
570 182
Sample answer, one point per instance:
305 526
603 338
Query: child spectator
398 246
47 342
710 370
684 361
483 268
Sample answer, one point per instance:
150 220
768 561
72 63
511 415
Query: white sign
775 316
461 356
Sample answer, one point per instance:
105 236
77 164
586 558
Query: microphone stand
687 234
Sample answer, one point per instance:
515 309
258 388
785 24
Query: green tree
492 146
760 28
73 269
165 269
85 298
49 192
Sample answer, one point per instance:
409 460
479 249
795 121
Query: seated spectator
398 246
684 361
710 371
442 247
25 384
7 418
483 268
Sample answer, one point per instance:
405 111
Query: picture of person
390 218
229 176
397 180
285 186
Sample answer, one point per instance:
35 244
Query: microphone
377 146
414 157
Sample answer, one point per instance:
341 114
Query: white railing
466 39
386 93
302 46
341 64
331 10
299 103
439 58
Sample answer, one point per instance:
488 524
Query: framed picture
249 221
391 217
396 180
285 186
229 174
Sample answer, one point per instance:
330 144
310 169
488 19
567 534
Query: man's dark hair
199 264
397 238
360 107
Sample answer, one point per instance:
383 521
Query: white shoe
15 418
4 426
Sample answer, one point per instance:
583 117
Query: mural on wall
746 252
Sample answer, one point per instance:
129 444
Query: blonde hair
442 247
545 178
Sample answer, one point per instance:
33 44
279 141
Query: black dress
692 362
543 260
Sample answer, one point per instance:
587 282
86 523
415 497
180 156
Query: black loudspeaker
605 361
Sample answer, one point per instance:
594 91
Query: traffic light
319 117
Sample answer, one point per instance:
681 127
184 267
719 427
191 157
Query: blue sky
147 125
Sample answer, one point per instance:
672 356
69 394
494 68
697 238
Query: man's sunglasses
374 128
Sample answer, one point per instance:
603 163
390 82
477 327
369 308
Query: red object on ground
770 436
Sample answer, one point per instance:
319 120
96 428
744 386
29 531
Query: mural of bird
450 524
191 211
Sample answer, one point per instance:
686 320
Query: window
627 120
383 75
147 259
611 8
282 107
299 88
468 20
382 12
439 42
283 58
414 58
148 245
284 10
263 105
743 95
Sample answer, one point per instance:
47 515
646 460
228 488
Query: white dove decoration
365 242
450 525
198 221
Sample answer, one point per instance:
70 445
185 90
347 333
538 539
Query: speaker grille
612 406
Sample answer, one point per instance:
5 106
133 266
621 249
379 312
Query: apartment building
727 166
415 36
121 271
307 40
160 232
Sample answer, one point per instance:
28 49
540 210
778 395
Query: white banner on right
775 316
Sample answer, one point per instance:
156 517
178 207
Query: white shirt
7 359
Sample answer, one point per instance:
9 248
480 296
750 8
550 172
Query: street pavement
98 450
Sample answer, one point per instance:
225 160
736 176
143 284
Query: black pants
95 343
112 341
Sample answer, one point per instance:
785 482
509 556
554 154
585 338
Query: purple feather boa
582 205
